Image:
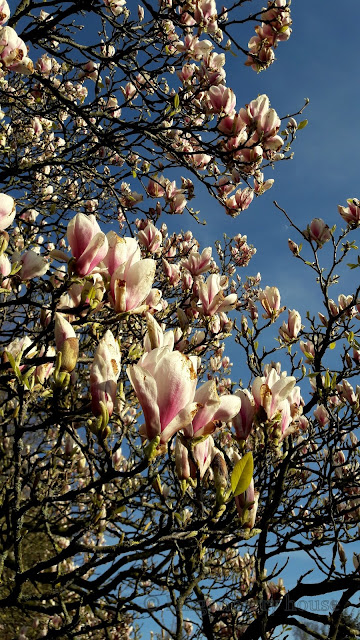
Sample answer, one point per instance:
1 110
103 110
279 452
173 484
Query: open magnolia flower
165 382
212 298
213 409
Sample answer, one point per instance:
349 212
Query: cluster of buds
242 253
274 29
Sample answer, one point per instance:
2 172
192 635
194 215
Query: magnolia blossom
322 415
240 201
272 392
4 12
247 505
7 211
172 272
222 100
308 349
203 454
120 250
270 300
150 237
290 330
5 270
212 410
18 346
243 420
212 298
155 336
89 245
164 382
44 371
33 265
66 343
351 214
132 280
318 231
197 263
13 52
104 373
116 6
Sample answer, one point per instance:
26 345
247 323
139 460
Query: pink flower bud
66 343
290 330
321 415
89 245
243 421
318 231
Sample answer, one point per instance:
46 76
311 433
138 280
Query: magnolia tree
140 481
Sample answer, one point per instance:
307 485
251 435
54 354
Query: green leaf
302 124
176 100
332 345
15 367
242 474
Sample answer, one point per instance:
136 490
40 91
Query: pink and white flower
164 382
89 245
104 373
